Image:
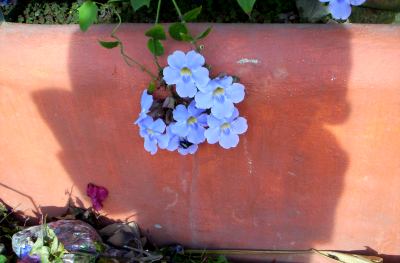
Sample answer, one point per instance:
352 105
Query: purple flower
341 9
97 194
219 95
179 143
225 131
145 102
190 123
152 132
186 72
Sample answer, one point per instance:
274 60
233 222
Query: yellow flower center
226 125
192 120
185 71
218 91
150 131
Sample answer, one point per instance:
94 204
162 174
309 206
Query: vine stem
193 42
178 11
158 11
128 60
154 43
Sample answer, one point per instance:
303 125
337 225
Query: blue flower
190 123
5 2
179 143
225 131
341 9
186 147
219 95
146 101
186 72
152 132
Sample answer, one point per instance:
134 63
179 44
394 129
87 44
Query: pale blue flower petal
190 150
213 122
146 100
180 113
222 109
202 119
180 128
212 134
187 89
141 117
193 111
158 126
235 92
357 2
201 76
239 125
234 115
204 100
146 122
163 140
226 81
194 59
173 143
150 145
228 140
177 60
171 75
196 135
339 9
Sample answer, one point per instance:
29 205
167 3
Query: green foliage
177 30
156 32
246 5
3 259
204 33
192 14
109 44
312 10
47 246
136 4
155 47
151 88
87 14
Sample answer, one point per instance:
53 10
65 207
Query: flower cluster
341 9
197 109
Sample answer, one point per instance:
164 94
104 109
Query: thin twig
128 60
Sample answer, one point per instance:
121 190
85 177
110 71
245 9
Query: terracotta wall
319 166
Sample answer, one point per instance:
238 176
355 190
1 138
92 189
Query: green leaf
176 30
156 32
204 33
221 259
3 259
192 14
136 4
54 246
186 37
37 245
312 10
246 5
87 14
44 254
155 47
151 88
109 44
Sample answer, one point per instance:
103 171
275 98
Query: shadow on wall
278 189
